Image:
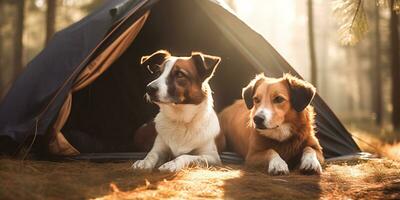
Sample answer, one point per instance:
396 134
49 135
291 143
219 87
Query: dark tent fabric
105 114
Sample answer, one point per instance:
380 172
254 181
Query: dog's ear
301 92
153 61
247 94
205 64
248 91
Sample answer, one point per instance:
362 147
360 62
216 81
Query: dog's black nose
259 120
151 89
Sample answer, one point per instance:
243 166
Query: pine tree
395 64
50 19
376 72
18 40
352 21
2 63
311 42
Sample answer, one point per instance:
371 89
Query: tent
84 92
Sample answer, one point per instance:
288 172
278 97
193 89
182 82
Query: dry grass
378 142
356 179
378 178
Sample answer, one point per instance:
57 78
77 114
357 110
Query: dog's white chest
179 146
180 139
183 138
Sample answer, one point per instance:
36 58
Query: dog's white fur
186 132
309 161
161 81
277 165
280 133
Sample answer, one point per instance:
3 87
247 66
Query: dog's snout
259 120
151 89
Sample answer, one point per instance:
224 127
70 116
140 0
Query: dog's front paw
277 166
142 165
310 165
170 166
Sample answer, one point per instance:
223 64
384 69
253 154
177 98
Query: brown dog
273 125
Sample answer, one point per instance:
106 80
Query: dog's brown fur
257 149
144 137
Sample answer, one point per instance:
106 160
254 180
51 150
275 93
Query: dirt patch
71 180
372 179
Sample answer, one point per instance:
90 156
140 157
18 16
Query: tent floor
365 179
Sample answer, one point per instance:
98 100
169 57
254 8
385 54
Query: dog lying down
273 126
187 124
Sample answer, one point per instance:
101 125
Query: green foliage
352 21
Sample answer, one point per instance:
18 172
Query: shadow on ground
360 179
68 180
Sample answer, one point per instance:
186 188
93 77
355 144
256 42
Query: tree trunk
395 65
311 40
376 72
2 64
50 19
19 31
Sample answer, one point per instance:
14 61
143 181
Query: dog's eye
179 74
256 100
278 99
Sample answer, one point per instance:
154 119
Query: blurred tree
50 19
2 63
311 44
18 38
92 4
376 71
395 66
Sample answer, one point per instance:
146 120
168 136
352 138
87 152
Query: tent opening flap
58 144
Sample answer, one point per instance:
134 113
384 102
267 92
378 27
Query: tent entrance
105 112
58 144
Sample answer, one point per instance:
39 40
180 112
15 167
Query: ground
352 179
368 179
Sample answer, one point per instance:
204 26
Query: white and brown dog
187 124
273 126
